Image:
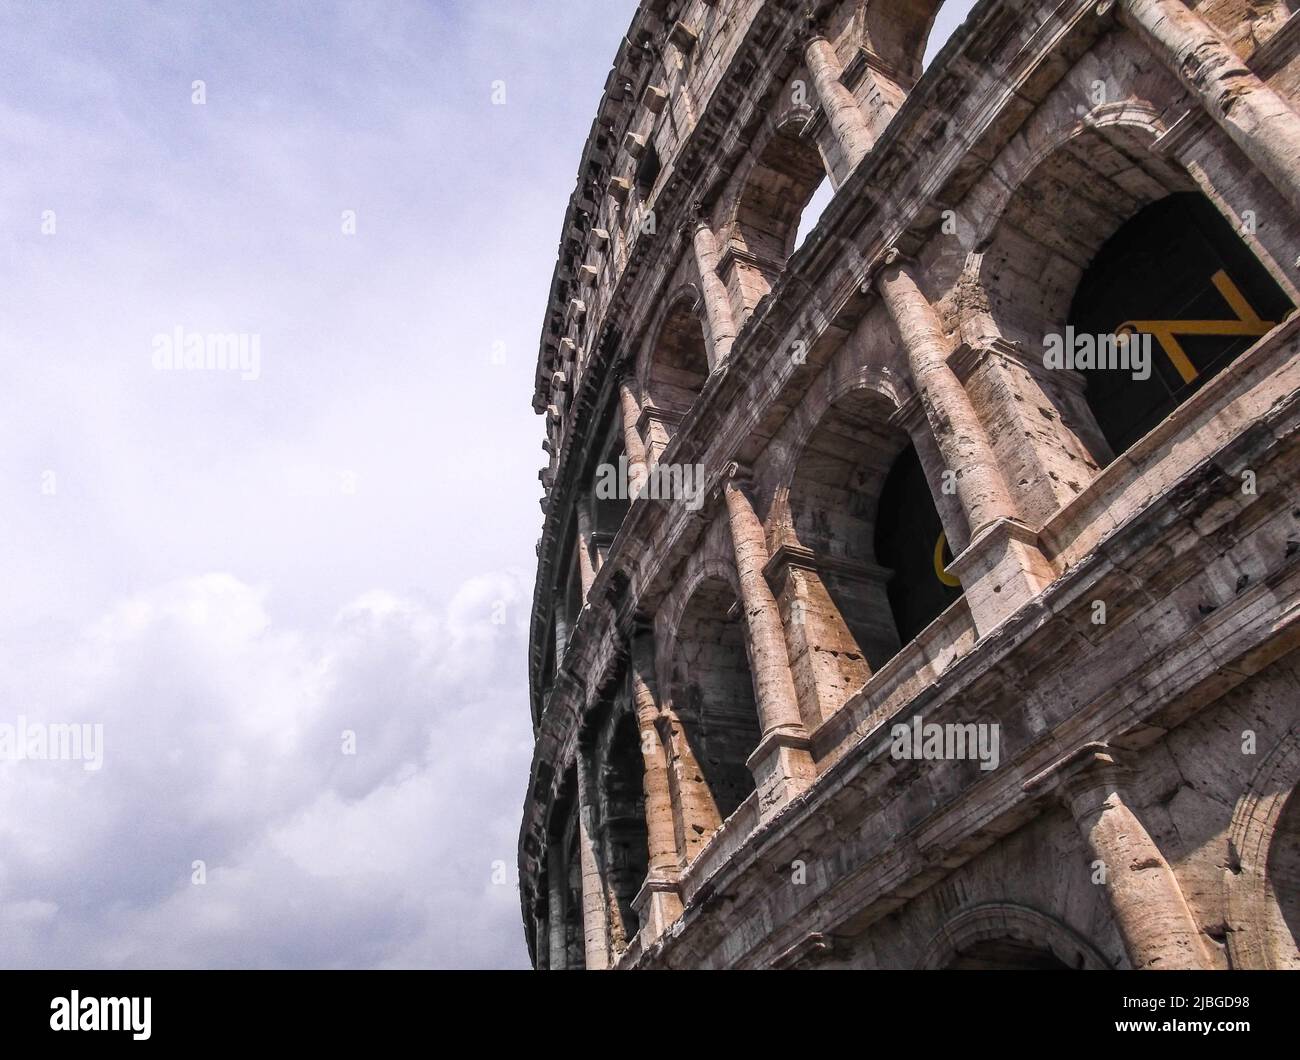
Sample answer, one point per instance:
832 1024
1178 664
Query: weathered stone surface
900 645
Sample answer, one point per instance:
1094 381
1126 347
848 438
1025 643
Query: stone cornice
882 203
852 217
1230 644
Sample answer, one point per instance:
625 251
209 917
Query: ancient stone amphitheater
918 588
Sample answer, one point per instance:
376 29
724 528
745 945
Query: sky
287 599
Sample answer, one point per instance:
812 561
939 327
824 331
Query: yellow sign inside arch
939 565
1167 331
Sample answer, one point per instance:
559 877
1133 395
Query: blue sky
231 575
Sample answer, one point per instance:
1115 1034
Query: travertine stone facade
891 611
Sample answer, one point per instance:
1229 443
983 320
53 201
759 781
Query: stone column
1257 119
556 878
781 764
1002 567
717 303
1148 905
957 429
637 465
843 114
659 902
586 565
595 906
561 635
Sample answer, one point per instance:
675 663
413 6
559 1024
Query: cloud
224 743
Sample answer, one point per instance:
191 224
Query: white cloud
224 743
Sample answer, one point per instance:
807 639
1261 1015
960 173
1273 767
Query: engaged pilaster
586 562
595 906
1148 905
658 903
1002 567
843 114
717 303
556 876
637 464
781 764
1258 120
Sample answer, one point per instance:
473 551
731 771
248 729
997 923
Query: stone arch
1262 901
1009 935
897 32
705 565
778 179
1057 209
623 841
847 438
710 693
1176 259
828 583
564 923
1047 209
674 368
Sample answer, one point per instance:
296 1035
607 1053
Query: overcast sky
229 574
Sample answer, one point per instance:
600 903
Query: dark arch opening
910 541
1283 870
626 846
1006 955
833 506
562 840
609 507
679 364
1174 267
713 693
777 191
647 170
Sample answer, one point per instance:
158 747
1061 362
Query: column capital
808 29
624 368
1082 770
738 474
735 476
892 257
697 216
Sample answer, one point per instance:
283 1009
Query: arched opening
572 585
624 839
1027 272
1006 954
1179 280
832 589
1283 874
610 495
647 170
775 196
812 213
712 695
911 542
563 881
678 370
1009 936
906 35
860 552
944 23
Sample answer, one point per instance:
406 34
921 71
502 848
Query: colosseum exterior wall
804 504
